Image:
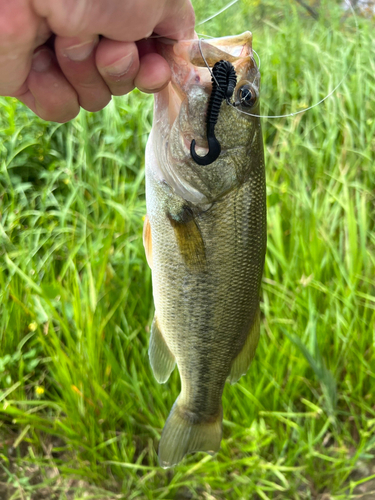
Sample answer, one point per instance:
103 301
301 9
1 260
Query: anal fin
242 362
161 359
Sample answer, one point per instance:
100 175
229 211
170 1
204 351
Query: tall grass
78 396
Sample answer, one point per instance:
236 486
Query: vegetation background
80 411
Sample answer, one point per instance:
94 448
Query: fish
204 236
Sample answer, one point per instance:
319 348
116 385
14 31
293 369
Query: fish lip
232 47
187 64
236 49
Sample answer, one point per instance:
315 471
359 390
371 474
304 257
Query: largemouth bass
205 238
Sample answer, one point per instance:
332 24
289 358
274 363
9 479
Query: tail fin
181 435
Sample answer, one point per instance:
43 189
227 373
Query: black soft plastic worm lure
224 81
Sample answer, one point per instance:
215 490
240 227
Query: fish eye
247 95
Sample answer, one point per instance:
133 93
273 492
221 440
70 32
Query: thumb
178 21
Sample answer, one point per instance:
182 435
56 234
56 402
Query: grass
80 411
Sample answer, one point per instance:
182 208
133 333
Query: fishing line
206 63
257 57
226 7
206 36
287 115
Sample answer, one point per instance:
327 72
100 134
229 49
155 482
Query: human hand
99 50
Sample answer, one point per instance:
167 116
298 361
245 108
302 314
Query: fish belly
205 313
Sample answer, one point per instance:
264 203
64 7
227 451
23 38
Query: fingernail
41 60
79 52
120 67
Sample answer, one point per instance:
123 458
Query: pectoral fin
189 240
147 240
161 359
242 362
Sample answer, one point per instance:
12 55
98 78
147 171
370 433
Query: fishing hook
224 81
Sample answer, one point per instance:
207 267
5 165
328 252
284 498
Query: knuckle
68 17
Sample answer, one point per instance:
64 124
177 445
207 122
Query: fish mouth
189 61
200 52
235 49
